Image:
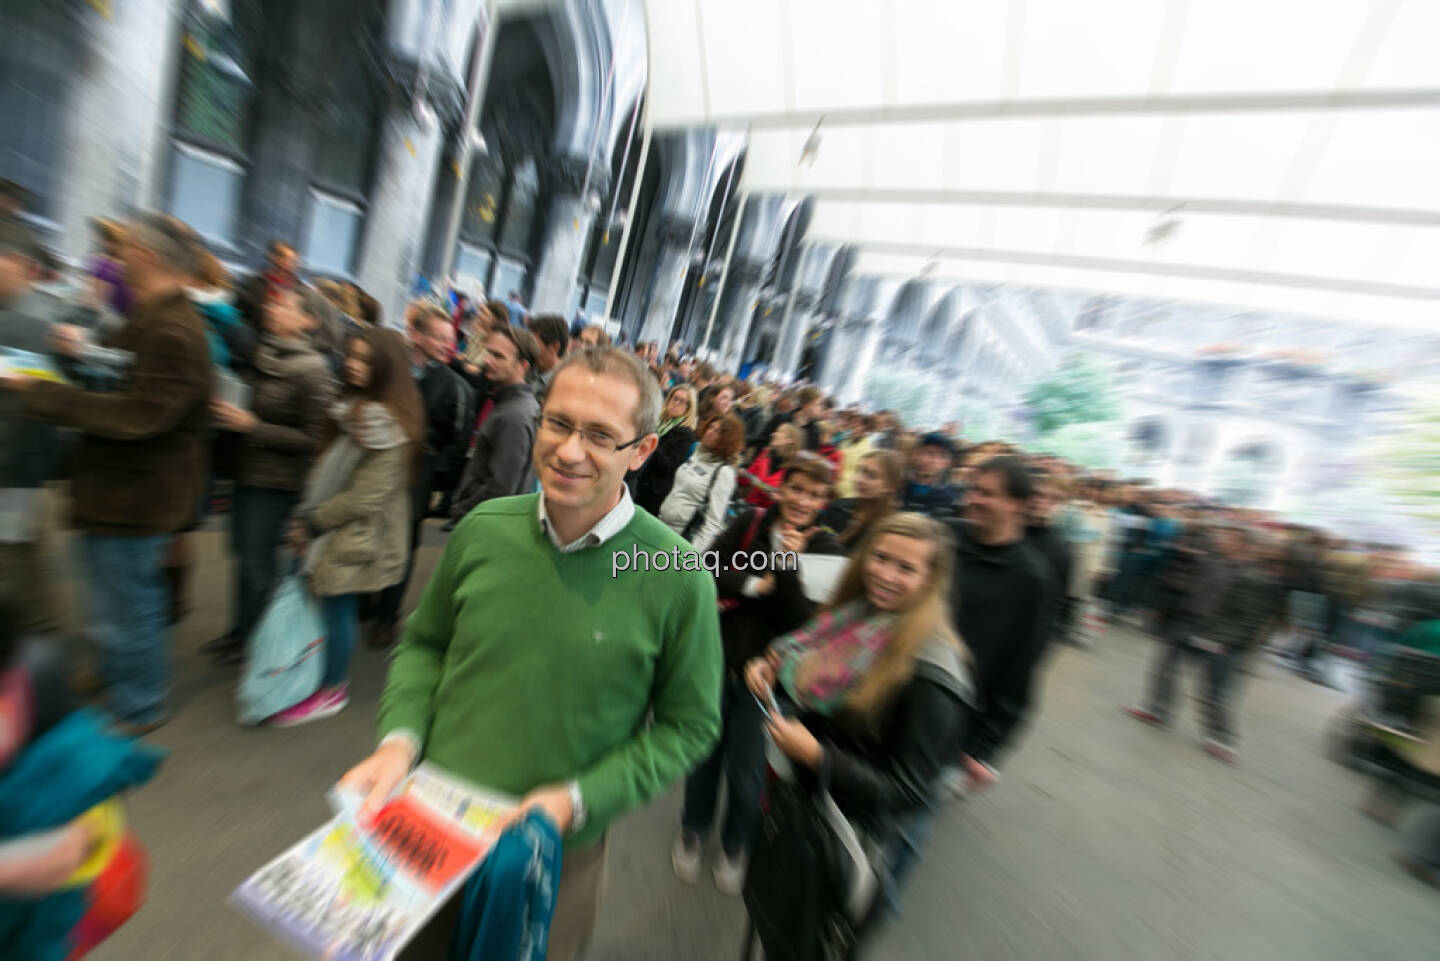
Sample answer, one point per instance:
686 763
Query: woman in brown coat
353 524
280 434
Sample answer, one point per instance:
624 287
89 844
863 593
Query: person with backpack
353 522
280 432
758 601
878 685
696 505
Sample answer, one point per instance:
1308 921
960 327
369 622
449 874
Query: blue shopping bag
286 656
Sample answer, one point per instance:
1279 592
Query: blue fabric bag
507 903
286 654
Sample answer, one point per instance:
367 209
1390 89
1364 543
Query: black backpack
800 885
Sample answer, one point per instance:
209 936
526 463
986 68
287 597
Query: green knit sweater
525 667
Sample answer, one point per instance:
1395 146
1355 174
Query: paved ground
1104 840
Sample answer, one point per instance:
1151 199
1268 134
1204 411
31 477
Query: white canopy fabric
1290 148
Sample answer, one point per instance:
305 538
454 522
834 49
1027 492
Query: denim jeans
129 600
902 851
1218 674
740 754
1425 845
257 526
341 624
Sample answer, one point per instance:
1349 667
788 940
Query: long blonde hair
793 436
925 620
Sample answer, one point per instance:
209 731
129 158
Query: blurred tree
1407 459
1080 391
1093 446
902 391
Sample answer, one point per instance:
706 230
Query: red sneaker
1140 714
1221 753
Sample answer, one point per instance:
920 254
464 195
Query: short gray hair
168 239
626 366
16 238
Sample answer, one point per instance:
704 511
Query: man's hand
16 385
760 676
795 741
230 417
978 775
378 775
553 800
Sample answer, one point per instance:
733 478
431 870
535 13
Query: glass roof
1264 153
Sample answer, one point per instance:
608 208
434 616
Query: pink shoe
316 707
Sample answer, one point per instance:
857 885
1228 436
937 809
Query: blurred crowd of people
160 391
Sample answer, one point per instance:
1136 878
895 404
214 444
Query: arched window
38 42
341 170
214 101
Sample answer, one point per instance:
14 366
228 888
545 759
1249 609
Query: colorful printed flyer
358 889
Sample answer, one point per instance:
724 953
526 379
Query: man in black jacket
500 464
448 413
1001 598
1213 605
1003 595
758 603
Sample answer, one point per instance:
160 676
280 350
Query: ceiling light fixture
811 150
1164 228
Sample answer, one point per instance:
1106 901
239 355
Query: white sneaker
685 858
730 875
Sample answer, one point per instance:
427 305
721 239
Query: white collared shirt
607 527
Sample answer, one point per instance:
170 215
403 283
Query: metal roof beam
1084 201
1140 105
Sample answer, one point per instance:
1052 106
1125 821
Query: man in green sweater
529 668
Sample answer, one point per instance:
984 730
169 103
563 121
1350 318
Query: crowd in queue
329 439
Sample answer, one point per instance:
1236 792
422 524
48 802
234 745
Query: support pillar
672 266
394 230
117 111
840 356
865 334
624 248
745 276
798 321
705 350
567 229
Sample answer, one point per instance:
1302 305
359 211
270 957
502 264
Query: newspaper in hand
360 888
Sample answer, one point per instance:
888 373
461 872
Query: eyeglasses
558 429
